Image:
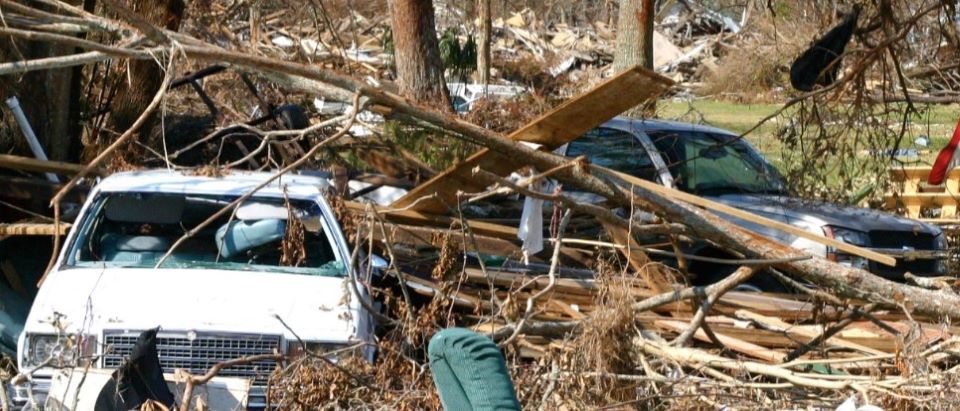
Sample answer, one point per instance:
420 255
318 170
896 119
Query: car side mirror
374 266
378 262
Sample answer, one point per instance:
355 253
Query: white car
220 295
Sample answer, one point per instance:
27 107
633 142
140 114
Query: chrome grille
199 354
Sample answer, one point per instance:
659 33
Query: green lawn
936 121
839 174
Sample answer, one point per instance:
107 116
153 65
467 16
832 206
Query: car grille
899 239
197 355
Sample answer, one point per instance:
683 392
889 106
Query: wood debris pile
595 319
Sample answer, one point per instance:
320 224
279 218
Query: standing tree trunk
635 43
417 53
483 52
142 78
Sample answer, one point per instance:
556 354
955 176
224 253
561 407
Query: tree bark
141 81
635 44
483 45
417 54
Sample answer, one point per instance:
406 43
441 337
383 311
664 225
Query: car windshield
715 164
136 230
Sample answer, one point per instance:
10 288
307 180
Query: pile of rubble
592 302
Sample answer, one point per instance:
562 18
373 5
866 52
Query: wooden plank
584 286
551 130
32 229
432 237
919 172
418 218
804 332
924 196
732 343
430 289
44 166
714 206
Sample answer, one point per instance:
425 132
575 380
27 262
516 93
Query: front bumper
922 263
32 394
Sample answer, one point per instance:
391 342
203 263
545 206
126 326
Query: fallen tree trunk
847 282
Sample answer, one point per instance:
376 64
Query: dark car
716 164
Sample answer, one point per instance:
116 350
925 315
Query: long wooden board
551 130
33 229
804 332
32 164
733 343
417 218
754 218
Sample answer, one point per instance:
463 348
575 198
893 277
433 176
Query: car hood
97 299
792 210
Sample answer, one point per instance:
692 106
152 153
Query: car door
622 151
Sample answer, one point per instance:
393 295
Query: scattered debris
589 301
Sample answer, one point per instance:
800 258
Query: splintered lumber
803 332
697 357
33 229
44 166
416 218
732 343
552 130
434 238
753 218
502 278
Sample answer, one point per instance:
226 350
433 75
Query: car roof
228 183
624 123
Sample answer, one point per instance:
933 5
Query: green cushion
470 372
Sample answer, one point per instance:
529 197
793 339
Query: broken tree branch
552 275
738 277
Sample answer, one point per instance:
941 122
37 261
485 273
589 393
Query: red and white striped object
946 160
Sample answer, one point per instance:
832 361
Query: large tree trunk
635 43
142 79
483 46
417 54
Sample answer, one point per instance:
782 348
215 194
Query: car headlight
296 350
858 238
846 235
60 350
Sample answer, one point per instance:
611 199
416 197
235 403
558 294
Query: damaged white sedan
271 276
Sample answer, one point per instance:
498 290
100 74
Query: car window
615 149
713 164
136 230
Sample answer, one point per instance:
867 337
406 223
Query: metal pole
14 105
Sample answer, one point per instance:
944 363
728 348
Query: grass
935 121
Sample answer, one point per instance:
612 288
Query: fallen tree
588 315
845 281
